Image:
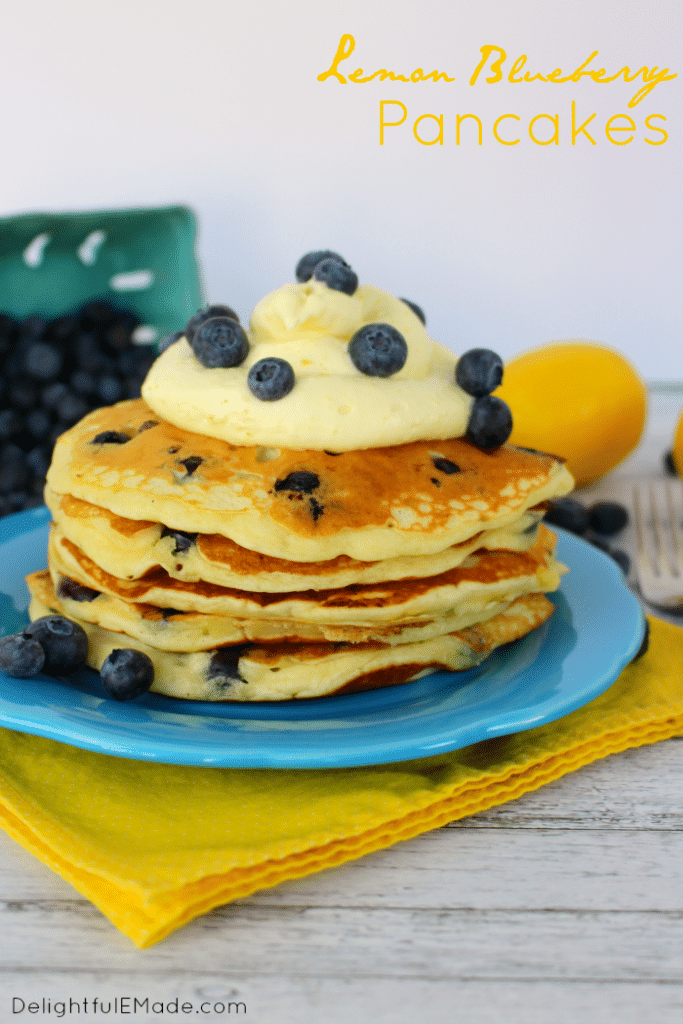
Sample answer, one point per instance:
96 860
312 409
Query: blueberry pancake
309 506
321 502
287 671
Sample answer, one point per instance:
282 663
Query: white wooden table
564 906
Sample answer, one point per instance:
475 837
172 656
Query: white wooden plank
364 942
291 1000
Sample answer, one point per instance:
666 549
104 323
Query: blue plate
596 629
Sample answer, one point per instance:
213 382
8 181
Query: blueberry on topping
220 342
416 310
490 423
127 674
183 540
607 517
147 425
308 263
337 276
191 463
301 481
568 513
479 371
378 350
270 379
445 466
110 437
169 340
75 591
21 656
202 315
65 643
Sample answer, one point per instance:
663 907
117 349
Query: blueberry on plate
308 263
127 674
607 517
337 276
490 423
207 314
378 350
568 513
21 656
417 310
479 371
65 643
270 379
220 342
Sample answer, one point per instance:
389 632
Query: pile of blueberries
53 373
376 350
59 647
597 524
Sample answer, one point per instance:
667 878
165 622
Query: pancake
130 548
294 671
308 506
483 578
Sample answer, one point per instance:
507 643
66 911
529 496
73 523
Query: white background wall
216 104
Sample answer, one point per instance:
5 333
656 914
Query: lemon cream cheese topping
332 404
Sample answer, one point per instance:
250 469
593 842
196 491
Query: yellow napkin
153 846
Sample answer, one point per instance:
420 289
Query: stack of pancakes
259 573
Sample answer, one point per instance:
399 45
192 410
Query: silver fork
658 526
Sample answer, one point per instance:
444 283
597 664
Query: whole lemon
579 400
677 452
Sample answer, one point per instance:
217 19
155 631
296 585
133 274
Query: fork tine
676 528
658 528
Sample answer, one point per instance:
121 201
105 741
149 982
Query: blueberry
10 424
33 327
127 674
607 517
21 656
220 342
445 466
53 394
644 644
109 389
183 540
479 371
191 463
568 513
378 350
207 314
110 437
43 361
308 263
417 310
98 313
224 663
13 476
622 560
301 481
83 382
270 379
490 423
337 276
65 643
22 396
39 424
72 408
169 340
38 460
74 591
669 464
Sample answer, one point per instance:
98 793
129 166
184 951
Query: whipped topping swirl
333 405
